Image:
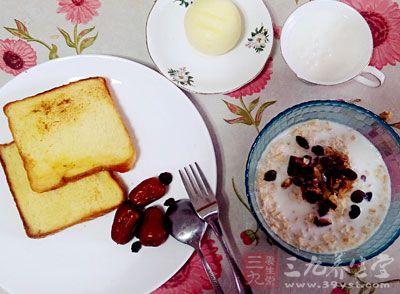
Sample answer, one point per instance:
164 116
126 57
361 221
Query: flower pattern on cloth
277 30
192 279
79 11
258 84
16 56
383 18
249 237
339 290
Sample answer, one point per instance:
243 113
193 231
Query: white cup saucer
195 72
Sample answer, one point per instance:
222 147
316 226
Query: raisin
302 142
270 176
354 211
357 196
170 202
136 246
349 174
165 178
318 150
368 196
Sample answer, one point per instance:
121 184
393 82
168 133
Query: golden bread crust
120 167
27 228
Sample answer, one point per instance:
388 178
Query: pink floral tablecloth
35 31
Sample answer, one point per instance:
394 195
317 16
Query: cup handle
378 80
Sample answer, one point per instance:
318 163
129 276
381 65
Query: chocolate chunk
326 162
318 150
349 174
295 165
302 142
319 177
321 222
297 181
354 211
368 196
312 195
325 205
270 175
357 196
338 161
323 208
332 184
307 159
307 171
312 183
331 204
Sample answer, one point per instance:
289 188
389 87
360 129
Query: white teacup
327 42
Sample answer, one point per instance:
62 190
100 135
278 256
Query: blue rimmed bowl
385 139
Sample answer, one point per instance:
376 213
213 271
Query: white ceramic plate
84 259
199 73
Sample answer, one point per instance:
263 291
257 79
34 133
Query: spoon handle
210 273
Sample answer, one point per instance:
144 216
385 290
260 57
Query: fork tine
199 182
205 182
188 188
195 187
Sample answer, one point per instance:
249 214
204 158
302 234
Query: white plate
199 73
169 132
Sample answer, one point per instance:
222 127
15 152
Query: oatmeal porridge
323 187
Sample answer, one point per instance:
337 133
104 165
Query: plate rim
158 75
209 93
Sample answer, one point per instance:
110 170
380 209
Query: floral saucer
198 73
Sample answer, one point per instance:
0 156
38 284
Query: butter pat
213 27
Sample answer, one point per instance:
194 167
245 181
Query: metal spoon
186 227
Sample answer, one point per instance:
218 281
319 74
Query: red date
125 222
152 231
147 192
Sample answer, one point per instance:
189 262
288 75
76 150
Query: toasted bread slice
69 132
47 213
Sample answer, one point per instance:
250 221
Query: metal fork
205 204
